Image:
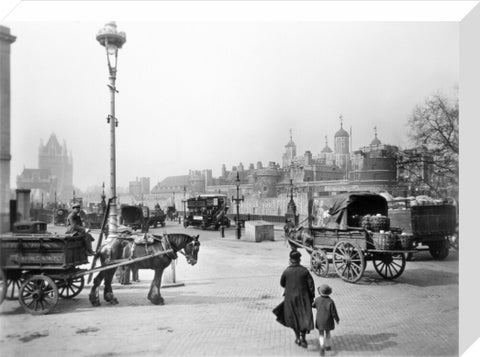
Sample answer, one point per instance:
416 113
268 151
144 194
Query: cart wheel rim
319 263
12 288
69 288
389 266
3 286
348 261
38 295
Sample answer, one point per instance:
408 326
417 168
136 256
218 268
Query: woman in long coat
299 295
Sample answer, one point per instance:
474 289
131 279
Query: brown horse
125 247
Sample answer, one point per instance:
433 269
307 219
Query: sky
199 94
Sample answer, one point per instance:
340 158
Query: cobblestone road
224 309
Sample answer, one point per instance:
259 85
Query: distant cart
356 231
157 217
136 217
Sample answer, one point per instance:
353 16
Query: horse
125 247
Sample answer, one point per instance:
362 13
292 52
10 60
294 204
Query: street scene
223 305
245 185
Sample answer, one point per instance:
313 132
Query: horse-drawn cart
356 230
43 267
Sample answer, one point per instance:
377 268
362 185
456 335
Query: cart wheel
38 295
12 288
319 263
389 266
348 261
439 250
3 285
71 287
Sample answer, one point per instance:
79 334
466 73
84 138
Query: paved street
224 309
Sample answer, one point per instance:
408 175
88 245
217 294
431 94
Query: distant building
376 162
54 174
139 187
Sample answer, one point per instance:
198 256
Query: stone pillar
23 204
5 41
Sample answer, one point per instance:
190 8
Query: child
326 314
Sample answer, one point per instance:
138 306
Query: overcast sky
196 95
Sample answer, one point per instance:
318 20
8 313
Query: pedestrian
296 309
326 317
75 227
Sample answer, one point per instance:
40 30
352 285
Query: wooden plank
121 262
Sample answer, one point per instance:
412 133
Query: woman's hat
76 205
325 290
295 255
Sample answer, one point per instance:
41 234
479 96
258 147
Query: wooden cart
39 268
349 237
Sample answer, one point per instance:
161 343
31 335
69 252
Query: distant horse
118 249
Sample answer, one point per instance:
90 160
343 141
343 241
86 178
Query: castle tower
326 149
341 146
6 39
290 152
376 141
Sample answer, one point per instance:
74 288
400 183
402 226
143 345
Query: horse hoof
157 300
110 298
94 300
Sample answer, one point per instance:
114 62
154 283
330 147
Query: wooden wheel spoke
357 268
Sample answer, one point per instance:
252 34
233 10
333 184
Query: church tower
290 152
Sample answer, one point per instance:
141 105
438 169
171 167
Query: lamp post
112 40
237 202
291 207
184 204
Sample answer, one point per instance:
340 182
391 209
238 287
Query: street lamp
237 201
112 40
184 204
291 207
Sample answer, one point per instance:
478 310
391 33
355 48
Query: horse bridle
196 246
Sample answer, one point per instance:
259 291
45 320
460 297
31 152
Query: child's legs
327 338
321 338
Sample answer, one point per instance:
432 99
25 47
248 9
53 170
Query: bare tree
434 133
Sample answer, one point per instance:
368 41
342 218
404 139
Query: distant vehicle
172 213
157 217
94 214
136 217
207 211
432 226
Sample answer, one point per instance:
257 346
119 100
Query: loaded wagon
432 226
38 267
355 230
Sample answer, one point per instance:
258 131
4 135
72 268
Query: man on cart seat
75 227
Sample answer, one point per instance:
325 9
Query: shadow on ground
371 343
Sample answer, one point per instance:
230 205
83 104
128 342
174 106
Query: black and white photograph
238 178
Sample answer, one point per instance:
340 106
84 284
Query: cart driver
75 227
